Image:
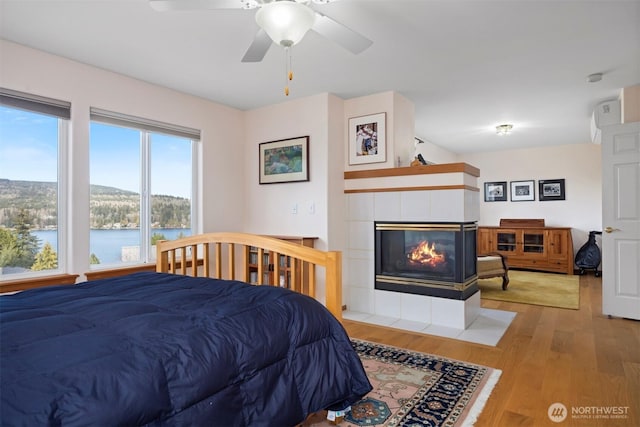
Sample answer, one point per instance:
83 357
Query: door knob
610 229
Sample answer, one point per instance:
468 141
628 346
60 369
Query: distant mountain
110 207
97 190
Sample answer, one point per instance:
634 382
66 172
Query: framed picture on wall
286 160
523 191
550 189
495 191
367 139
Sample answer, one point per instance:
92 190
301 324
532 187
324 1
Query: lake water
108 244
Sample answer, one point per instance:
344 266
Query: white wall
434 153
268 208
221 177
335 171
320 201
400 127
579 165
403 128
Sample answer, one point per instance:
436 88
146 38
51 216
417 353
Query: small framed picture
495 191
286 160
523 191
367 139
550 189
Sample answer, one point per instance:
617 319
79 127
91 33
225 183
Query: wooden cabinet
484 241
285 270
533 247
560 248
521 242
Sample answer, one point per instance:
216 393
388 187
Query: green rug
526 287
416 389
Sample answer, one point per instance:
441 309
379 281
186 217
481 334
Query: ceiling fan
284 22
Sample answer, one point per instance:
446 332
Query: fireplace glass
436 259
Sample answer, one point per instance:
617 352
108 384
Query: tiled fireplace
442 195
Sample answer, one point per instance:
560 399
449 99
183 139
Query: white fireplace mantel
450 176
446 192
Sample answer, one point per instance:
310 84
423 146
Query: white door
621 220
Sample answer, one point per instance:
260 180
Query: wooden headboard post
333 287
172 254
162 257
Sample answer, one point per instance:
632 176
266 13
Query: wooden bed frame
215 254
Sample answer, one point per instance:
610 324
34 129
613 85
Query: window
33 137
141 175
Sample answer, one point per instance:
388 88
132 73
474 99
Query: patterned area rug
418 389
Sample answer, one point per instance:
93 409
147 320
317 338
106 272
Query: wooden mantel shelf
448 176
414 170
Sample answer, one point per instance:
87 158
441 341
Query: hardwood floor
580 358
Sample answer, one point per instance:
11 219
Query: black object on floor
588 256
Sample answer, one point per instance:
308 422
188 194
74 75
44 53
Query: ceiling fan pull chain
287 65
289 57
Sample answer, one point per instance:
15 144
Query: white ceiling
466 65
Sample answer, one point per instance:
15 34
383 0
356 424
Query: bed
187 345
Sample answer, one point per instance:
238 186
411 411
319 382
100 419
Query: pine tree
9 253
26 243
157 236
46 259
93 259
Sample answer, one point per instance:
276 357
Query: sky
28 152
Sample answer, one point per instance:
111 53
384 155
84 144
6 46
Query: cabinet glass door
506 241
533 242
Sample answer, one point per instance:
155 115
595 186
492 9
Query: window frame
61 111
146 128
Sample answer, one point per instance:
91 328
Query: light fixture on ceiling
504 129
286 22
594 78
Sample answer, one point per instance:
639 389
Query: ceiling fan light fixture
249 4
286 22
504 129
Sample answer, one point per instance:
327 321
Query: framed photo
286 160
522 191
550 189
367 139
495 191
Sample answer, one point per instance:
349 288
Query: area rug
527 287
418 389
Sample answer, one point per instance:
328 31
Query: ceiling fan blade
166 5
259 47
336 32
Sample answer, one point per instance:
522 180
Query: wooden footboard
216 255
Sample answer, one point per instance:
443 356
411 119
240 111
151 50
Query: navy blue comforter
162 349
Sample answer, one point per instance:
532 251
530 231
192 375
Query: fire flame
425 253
